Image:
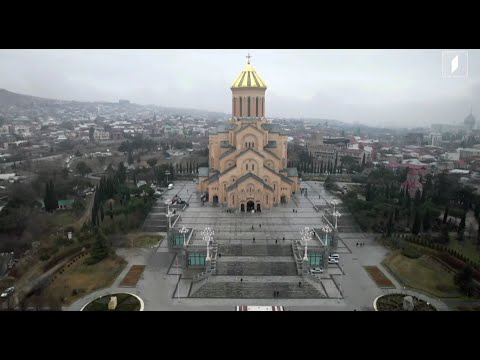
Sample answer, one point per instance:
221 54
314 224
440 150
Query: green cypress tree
416 223
426 219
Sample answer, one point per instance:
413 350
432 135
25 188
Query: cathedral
248 155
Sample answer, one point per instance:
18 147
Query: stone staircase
263 270
256 268
156 220
255 250
257 290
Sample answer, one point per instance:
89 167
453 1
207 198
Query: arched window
246 167
248 106
256 107
233 199
253 145
241 103
253 166
245 144
274 186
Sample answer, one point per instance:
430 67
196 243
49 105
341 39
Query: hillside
8 98
11 98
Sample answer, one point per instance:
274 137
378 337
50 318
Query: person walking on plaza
276 241
260 225
253 239
357 244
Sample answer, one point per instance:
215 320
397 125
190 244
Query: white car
170 186
333 256
316 270
332 261
9 291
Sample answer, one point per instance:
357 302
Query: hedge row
61 256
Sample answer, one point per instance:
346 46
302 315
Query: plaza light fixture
167 173
327 230
334 202
169 215
306 235
337 215
183 231
207 236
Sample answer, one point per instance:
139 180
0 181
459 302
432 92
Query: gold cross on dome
248 57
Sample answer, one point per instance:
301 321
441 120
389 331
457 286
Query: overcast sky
374 87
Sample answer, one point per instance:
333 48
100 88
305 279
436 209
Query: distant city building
123 102
468 153
22 130
413 139
470 121
435 139
101 135
412 184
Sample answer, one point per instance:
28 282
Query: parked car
316 270
170 186
9 291
334 256
332 261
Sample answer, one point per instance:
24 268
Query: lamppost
337 215
306 236
340 285
334 202
207 236
169 215
167 173
327 230
183 231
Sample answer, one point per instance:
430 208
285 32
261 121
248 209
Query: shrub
44 257
452 261
411 252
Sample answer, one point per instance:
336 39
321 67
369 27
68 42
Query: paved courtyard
165 287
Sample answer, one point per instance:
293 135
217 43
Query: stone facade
248 155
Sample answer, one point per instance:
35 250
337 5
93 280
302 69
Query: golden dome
249 78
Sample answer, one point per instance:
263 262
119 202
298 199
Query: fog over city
373 87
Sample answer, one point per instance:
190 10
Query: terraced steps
256 268
257 290
255 250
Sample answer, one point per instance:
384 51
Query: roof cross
248 57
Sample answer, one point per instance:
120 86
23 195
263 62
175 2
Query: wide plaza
346 286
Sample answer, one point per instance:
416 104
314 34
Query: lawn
467 248
379 277
147 240
64 217
423 274
80 279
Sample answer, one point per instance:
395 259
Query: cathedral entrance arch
242 208
215 200
258 208
283 199
250 206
